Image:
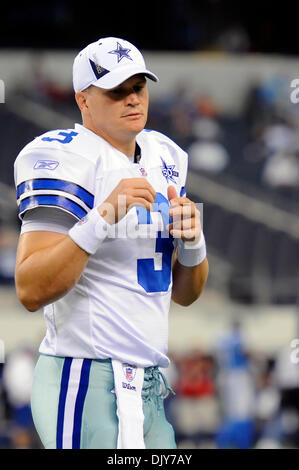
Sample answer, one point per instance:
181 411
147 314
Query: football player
108 238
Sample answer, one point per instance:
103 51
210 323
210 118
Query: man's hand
185 217
128 193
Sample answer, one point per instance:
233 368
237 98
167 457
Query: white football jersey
119 307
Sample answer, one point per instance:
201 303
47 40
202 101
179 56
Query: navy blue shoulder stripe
52 200
56 185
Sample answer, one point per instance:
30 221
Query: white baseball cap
107 63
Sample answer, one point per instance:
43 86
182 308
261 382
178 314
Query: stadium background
226 70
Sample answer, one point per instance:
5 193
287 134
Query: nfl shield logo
129 371
143 171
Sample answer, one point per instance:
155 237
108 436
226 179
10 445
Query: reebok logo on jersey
45 165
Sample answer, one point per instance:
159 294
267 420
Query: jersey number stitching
68 137
150 279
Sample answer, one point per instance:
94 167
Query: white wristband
90 231
192 253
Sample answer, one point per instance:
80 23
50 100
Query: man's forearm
188 282
49 273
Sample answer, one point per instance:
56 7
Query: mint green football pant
74 405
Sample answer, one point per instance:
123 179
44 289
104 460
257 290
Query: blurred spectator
267 403
278 136
174 113
196 378
286 375
236 388
4 438
17 381
274 95
46 89
8 244
207 153
195 410
206 106
181 123
281 170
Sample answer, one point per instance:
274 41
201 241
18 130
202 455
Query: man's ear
80 98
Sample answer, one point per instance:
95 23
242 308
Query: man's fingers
171 193
182 222
139 201
180 201
145 194
185 224
190 234
185 211
184 234
138 183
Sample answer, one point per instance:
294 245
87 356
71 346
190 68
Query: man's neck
127 147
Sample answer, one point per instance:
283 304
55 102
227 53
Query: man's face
120 113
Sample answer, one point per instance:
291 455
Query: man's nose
132 98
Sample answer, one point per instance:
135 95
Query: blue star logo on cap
121 52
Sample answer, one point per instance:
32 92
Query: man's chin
136 126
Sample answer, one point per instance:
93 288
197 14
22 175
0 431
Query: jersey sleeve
47 219
50 174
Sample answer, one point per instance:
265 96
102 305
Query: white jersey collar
81 128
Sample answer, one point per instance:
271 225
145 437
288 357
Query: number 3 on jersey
68 137
149 278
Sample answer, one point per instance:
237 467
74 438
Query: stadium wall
226 77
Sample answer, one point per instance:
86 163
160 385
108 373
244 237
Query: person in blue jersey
108 238
237 392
